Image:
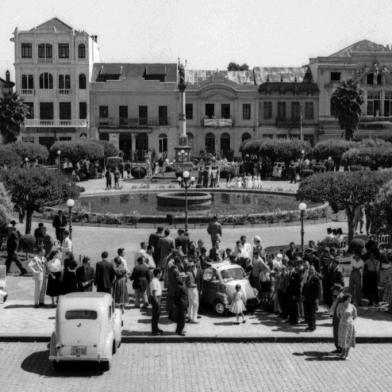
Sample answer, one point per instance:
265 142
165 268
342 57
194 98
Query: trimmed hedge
31 151
8 157
372 157
75 151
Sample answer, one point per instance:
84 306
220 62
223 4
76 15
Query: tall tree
237 67
12 115
346 104
344 190
31 189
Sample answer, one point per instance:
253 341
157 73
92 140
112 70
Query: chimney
7 76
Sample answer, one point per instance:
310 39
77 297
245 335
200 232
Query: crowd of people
290 283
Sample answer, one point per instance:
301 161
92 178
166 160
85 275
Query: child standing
238 304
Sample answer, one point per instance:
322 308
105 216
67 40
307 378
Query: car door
207 292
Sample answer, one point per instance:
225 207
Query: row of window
224 111
46 81
296 110
46 110
371 78
143 114
45 51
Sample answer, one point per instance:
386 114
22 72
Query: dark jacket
311 289
153 241
181 296
85 276
165 245
294 284
104 275
58 223
140 277
12 242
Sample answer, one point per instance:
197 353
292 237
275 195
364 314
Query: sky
207 33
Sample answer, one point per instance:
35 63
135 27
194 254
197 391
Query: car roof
224 265
85 300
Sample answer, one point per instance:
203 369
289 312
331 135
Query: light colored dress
238 304
346 333
120 290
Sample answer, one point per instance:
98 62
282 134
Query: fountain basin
196 200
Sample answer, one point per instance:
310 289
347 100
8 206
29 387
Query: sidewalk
20 321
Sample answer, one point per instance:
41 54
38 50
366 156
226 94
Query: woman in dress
355 282
54 269
69 276
370 279
347 313
120 290
238 304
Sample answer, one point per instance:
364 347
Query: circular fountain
196 200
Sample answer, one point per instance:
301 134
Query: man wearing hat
331 277
214 229
182 303
153 241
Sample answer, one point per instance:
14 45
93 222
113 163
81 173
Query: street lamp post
302 208
183 156
70 204
59 158
186 181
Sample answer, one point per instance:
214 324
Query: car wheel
105 366
220 308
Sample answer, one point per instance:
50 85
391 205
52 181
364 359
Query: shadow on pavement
226 323
38 363
127 332
375 313
18 306
318 356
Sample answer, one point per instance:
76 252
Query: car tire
220 308
105 366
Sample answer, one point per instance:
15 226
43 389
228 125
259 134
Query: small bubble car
88 328
218 287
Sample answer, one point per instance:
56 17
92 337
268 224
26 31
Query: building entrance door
141 146
125 145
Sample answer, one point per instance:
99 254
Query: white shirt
150 261
246 250
139 253
357 264
37 265
66 245
155 285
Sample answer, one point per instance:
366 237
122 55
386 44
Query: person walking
347 313
120 290
85 276
104 274
153 241
108 177
54 268
155 300
293 293
355 282
238 302
214 229
310 292
12 256
182 303
165 246
37 266
59 223
140 278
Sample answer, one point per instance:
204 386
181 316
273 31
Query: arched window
82 51
245 136
225 144
82 81
210 143
46 81
162 143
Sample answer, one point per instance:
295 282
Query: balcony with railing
36 122
64 91
27 91
217 122
367 118
136 122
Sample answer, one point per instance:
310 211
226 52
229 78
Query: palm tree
346 104
12 114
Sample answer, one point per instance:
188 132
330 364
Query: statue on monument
181 75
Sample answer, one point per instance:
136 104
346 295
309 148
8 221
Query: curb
208 339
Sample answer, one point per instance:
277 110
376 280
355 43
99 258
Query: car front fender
108 346
223 297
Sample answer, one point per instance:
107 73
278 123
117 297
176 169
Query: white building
53 67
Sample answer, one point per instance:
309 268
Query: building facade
53 66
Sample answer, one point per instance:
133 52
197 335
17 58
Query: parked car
218 287
88 328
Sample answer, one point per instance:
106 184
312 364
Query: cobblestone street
203 367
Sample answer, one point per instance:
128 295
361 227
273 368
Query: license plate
78 350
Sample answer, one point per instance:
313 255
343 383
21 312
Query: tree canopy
75 151
333 148
344 190
109 149
237 67
8 157
33 188
31 151
12 115
346 104
382 210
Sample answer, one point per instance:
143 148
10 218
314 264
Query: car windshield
232 274
81 315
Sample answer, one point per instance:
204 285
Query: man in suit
140 277
182 241
60 223
85 276
153 241
214 229
165 245
104 274
181 302
12 256
332 276
310 292
293 294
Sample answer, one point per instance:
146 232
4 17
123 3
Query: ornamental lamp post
70 204
186 181
183 155
302 208
59 158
